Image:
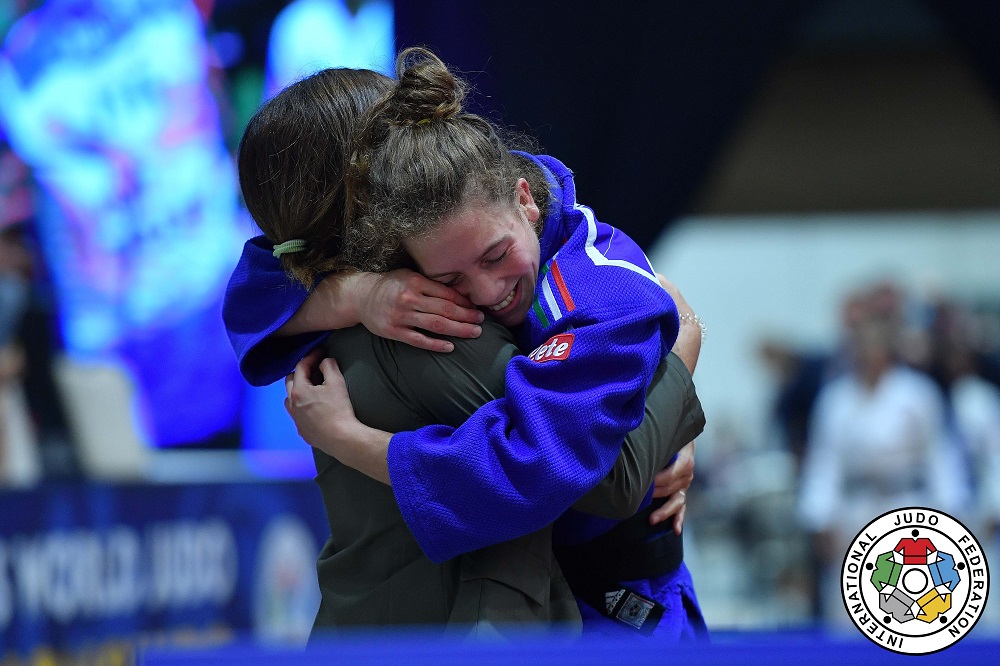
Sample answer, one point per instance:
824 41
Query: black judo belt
632 550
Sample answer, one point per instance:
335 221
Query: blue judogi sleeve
260 298
601 323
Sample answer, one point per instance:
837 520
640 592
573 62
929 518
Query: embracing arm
273 320
673 417
399 305
332 304
513 467
518 463
448 389
259 299
436 388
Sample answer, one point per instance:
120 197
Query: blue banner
85 564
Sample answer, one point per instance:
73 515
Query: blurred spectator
15 261
876 441
27 363
799 374
15 265
973 406
18 458
973 418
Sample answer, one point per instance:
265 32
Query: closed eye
494 262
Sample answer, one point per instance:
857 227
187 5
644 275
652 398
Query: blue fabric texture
260 298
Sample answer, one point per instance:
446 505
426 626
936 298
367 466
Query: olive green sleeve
673 418
448 388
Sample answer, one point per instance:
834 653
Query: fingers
423 305
313 364
674 504
685 462
667 482
666 284
445 326
295 384
669 287
413 335
329 369
444 302
433 288
303 371
464 302
304 368
679 520
664 488
416 339
420 284
679 300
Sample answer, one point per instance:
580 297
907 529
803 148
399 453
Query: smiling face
487 252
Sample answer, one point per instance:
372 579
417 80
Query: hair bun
426 91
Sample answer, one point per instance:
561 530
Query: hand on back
673 483
318 401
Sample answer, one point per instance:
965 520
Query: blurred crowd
904 411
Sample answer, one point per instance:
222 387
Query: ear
526 201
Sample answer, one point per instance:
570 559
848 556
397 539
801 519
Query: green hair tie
288 247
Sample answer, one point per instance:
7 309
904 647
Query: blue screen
118 109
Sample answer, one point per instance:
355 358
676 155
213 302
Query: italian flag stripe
540 313
563 291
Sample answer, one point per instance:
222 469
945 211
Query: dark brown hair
419 156
293 158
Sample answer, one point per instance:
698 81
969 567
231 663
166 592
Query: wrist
355 292
690 319
367 451
688 343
